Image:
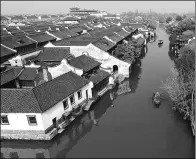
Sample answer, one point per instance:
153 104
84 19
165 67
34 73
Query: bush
178 18
168 19
180 86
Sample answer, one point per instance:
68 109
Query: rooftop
55 54
36 100
84 62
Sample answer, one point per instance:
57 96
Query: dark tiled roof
30 32
128 29
84 62
136 25
125 24
55 54
66 42
50 93
79 37
5 51
12 29
17 18
54 16
70 19
91 26
4 32
45 16
32 17
10 74
19 101
60 15
42 37
18 33
122 33
59 34
28 74
104 44
17 41
115 37
76 29
68 32
99 76
84 27
4 18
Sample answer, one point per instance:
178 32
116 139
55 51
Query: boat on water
156 98
160 42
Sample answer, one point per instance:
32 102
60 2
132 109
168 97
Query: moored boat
160 42
156 98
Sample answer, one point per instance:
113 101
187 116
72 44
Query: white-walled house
108 61
38 113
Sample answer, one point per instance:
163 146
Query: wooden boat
160 42
156 98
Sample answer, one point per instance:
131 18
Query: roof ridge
9 48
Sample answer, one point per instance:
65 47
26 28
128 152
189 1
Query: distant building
31 18
4 20
78 11
71 20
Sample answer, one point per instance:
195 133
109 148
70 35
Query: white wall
105 58
71 22
98 55
58 109
64 67
19 121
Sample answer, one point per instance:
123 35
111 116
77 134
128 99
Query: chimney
43 69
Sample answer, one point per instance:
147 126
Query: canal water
124 123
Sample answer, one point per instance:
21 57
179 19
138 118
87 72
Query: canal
124 123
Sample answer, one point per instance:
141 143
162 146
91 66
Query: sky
56 7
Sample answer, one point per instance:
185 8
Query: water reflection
135 76
63 143
171 55
144 51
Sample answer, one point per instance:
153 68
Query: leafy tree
168 19
178 18
129 51
151 25
185 64
181 84
186 24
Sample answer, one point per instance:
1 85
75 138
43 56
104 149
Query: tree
186 24
185 64
180 86
168 19
178 18
151 25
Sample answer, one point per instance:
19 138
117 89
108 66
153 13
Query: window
32 120
72 101
65 104
4 120
79 94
